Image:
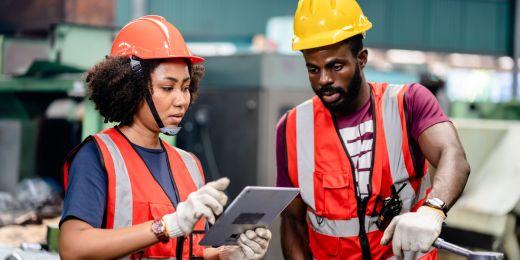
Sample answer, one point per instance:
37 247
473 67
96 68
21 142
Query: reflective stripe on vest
393 132
340 228
192 166
123 193
123 204
305 151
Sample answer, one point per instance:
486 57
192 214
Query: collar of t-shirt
360 115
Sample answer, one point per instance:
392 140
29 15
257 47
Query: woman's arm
211 253
79 240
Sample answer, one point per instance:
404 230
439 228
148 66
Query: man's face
334 74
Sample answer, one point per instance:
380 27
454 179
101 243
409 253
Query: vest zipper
361 203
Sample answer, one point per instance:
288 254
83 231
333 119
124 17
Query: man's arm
295 237
441 146
417 231
439 143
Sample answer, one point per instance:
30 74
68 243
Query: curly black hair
117 91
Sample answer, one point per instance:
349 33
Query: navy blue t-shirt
88 184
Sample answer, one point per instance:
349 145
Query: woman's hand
252 245
208 201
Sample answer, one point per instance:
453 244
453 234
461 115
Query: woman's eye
186 88
167 88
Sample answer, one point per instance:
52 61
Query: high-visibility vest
341 225
134 196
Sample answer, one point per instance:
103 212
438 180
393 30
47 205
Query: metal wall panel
470 26
377 12
407 19
480 24
444 28
215 19
504 28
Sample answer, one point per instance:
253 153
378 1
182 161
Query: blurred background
465 51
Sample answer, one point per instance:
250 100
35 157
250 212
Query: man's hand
414 231
252 245
208 201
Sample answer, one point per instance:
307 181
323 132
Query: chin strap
171 131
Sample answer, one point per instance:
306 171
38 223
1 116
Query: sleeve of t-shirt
87 191
423 110
282 173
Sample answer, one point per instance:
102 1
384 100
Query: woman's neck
140 135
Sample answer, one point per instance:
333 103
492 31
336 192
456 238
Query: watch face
436 202
157 227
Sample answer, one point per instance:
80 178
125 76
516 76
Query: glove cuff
172 225
436 213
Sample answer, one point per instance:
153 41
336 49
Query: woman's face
170 94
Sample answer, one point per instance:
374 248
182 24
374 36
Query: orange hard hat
151 37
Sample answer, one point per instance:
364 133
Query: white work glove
414 231
252 245
208 201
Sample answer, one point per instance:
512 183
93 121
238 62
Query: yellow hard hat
323 22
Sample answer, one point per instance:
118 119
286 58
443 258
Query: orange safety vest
341 225
134 196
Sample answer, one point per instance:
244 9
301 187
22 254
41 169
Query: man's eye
338 67
312 70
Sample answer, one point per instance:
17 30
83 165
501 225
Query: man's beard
346 97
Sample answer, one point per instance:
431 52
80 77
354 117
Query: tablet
253 207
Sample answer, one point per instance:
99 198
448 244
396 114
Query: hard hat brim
325 39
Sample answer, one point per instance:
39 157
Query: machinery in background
231 126
486 215
36 75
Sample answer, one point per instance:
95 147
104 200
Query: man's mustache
328 89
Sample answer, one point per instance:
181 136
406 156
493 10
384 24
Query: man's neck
362 98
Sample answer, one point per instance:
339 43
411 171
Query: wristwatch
159 230
437 203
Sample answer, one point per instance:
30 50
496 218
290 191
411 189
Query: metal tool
442 244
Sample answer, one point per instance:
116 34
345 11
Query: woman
128 193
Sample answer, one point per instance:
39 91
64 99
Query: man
355 145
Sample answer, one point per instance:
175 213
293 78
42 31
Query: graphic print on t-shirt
358 140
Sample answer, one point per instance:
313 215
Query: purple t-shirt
356 130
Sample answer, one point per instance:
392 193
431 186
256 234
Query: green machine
35 74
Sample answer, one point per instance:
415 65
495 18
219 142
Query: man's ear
362 57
